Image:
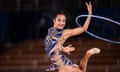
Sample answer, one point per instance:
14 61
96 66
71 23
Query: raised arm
82 29
79 30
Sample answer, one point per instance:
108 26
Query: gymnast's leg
84 60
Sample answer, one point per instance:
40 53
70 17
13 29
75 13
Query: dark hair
58 12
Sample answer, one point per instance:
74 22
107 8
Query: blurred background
24 24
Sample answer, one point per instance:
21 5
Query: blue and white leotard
50 41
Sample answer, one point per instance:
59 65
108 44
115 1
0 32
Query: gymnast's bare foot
93 51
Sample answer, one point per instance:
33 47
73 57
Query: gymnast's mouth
61 25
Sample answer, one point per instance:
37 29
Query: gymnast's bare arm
76 31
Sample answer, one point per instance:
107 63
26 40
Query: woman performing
54 44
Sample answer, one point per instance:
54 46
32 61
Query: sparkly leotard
51 41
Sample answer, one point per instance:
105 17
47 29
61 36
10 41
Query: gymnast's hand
68 49
89 7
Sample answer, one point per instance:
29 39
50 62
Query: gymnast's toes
93 51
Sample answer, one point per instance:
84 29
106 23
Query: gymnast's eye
59 20
64 20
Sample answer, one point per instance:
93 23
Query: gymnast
55 39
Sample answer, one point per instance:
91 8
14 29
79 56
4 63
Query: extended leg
84 60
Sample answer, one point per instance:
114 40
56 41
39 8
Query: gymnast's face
59 21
